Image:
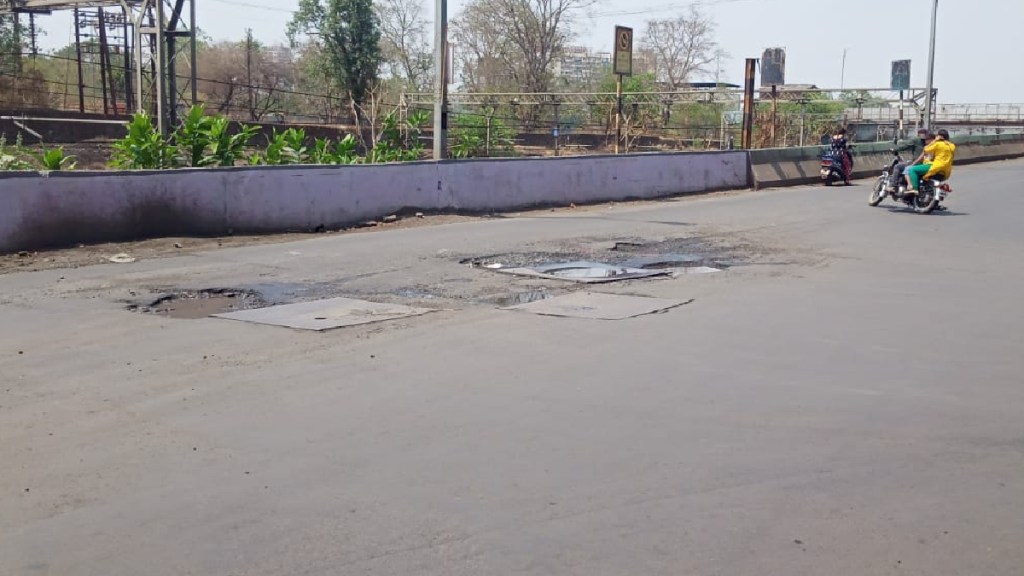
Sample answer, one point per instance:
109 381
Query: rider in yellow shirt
942 151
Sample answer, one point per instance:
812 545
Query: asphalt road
848 401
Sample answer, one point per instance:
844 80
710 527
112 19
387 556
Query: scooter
832 167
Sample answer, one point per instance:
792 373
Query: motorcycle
930 195
832 167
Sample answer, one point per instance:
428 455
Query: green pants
916 173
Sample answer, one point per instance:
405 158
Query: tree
523 36
348 33
485 58
12 43
683 47
246 77
405 47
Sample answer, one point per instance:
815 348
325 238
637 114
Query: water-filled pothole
195 304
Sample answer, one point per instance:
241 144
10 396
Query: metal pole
440 79
248 74
128 90
160 70
748 105
900 126
618 113
842 77
557 132
929 103
721 138
487 142
78 54
803 116
775 115
33 33
193 48
105 68
138 37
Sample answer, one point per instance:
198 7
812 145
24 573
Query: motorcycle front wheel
876 192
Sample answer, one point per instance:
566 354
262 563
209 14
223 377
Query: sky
977 59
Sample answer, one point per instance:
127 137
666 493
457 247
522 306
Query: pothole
519 298
672 253
195 304
521 259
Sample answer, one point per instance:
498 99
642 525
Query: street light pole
929 103
842 75
441 80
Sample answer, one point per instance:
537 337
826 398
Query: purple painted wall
68 208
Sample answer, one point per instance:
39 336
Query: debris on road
121 259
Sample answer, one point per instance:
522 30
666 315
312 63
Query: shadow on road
905 210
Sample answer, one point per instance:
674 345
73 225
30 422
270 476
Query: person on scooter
916 148
941 151
841 145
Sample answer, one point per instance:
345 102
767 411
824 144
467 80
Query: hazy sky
977 58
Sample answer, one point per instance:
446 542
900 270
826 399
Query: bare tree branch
517 40
683 47
405 45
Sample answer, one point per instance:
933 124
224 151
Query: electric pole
440 79
929 101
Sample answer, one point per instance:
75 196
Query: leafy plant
296 140
286 148
207 140
9 158
193 137
225 148
397 142
344 152
473 138
55 159
144 148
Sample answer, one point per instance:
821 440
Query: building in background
579 66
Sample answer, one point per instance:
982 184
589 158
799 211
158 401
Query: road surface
846 399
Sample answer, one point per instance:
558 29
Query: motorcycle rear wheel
925 201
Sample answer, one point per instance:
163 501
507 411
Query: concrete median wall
68 208
795 166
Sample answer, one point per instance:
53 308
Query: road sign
900 79
623 50
773 67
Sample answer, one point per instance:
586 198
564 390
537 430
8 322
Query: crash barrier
775 167
56 209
